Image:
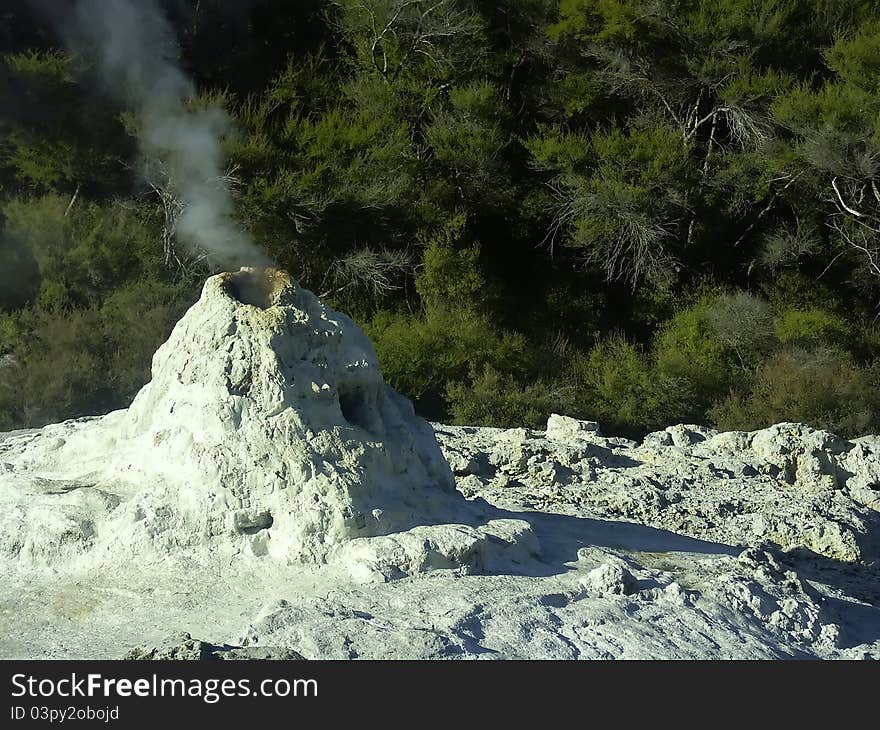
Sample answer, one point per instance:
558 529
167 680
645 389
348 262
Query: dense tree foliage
635 211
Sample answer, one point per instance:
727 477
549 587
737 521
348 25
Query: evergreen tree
626 210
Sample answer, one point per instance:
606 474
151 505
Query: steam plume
134 46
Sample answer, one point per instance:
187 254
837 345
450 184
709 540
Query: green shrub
793 290
687 348
450 275
744 323
467 138
787 245
60 371
496 399
57 133
620 388
811 327
823 388
83 253
420 355
84 361
136 320
35 229
19 275
100 300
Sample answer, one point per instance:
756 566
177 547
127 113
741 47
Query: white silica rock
267 424
566 429
610 578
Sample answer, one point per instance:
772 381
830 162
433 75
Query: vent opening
256 287
354 408
248 522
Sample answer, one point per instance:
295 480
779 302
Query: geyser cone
267 423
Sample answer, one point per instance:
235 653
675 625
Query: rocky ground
268 496
690 544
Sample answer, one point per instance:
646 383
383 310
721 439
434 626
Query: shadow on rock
562 536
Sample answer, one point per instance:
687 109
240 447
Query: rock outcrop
267 428
788 486
269 492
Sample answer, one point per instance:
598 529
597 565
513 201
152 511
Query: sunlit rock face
278 402
266 423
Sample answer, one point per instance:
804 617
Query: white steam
134 47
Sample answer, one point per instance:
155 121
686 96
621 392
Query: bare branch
711 116
830 264
843 205
72 201
377 272
767 208
861 241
